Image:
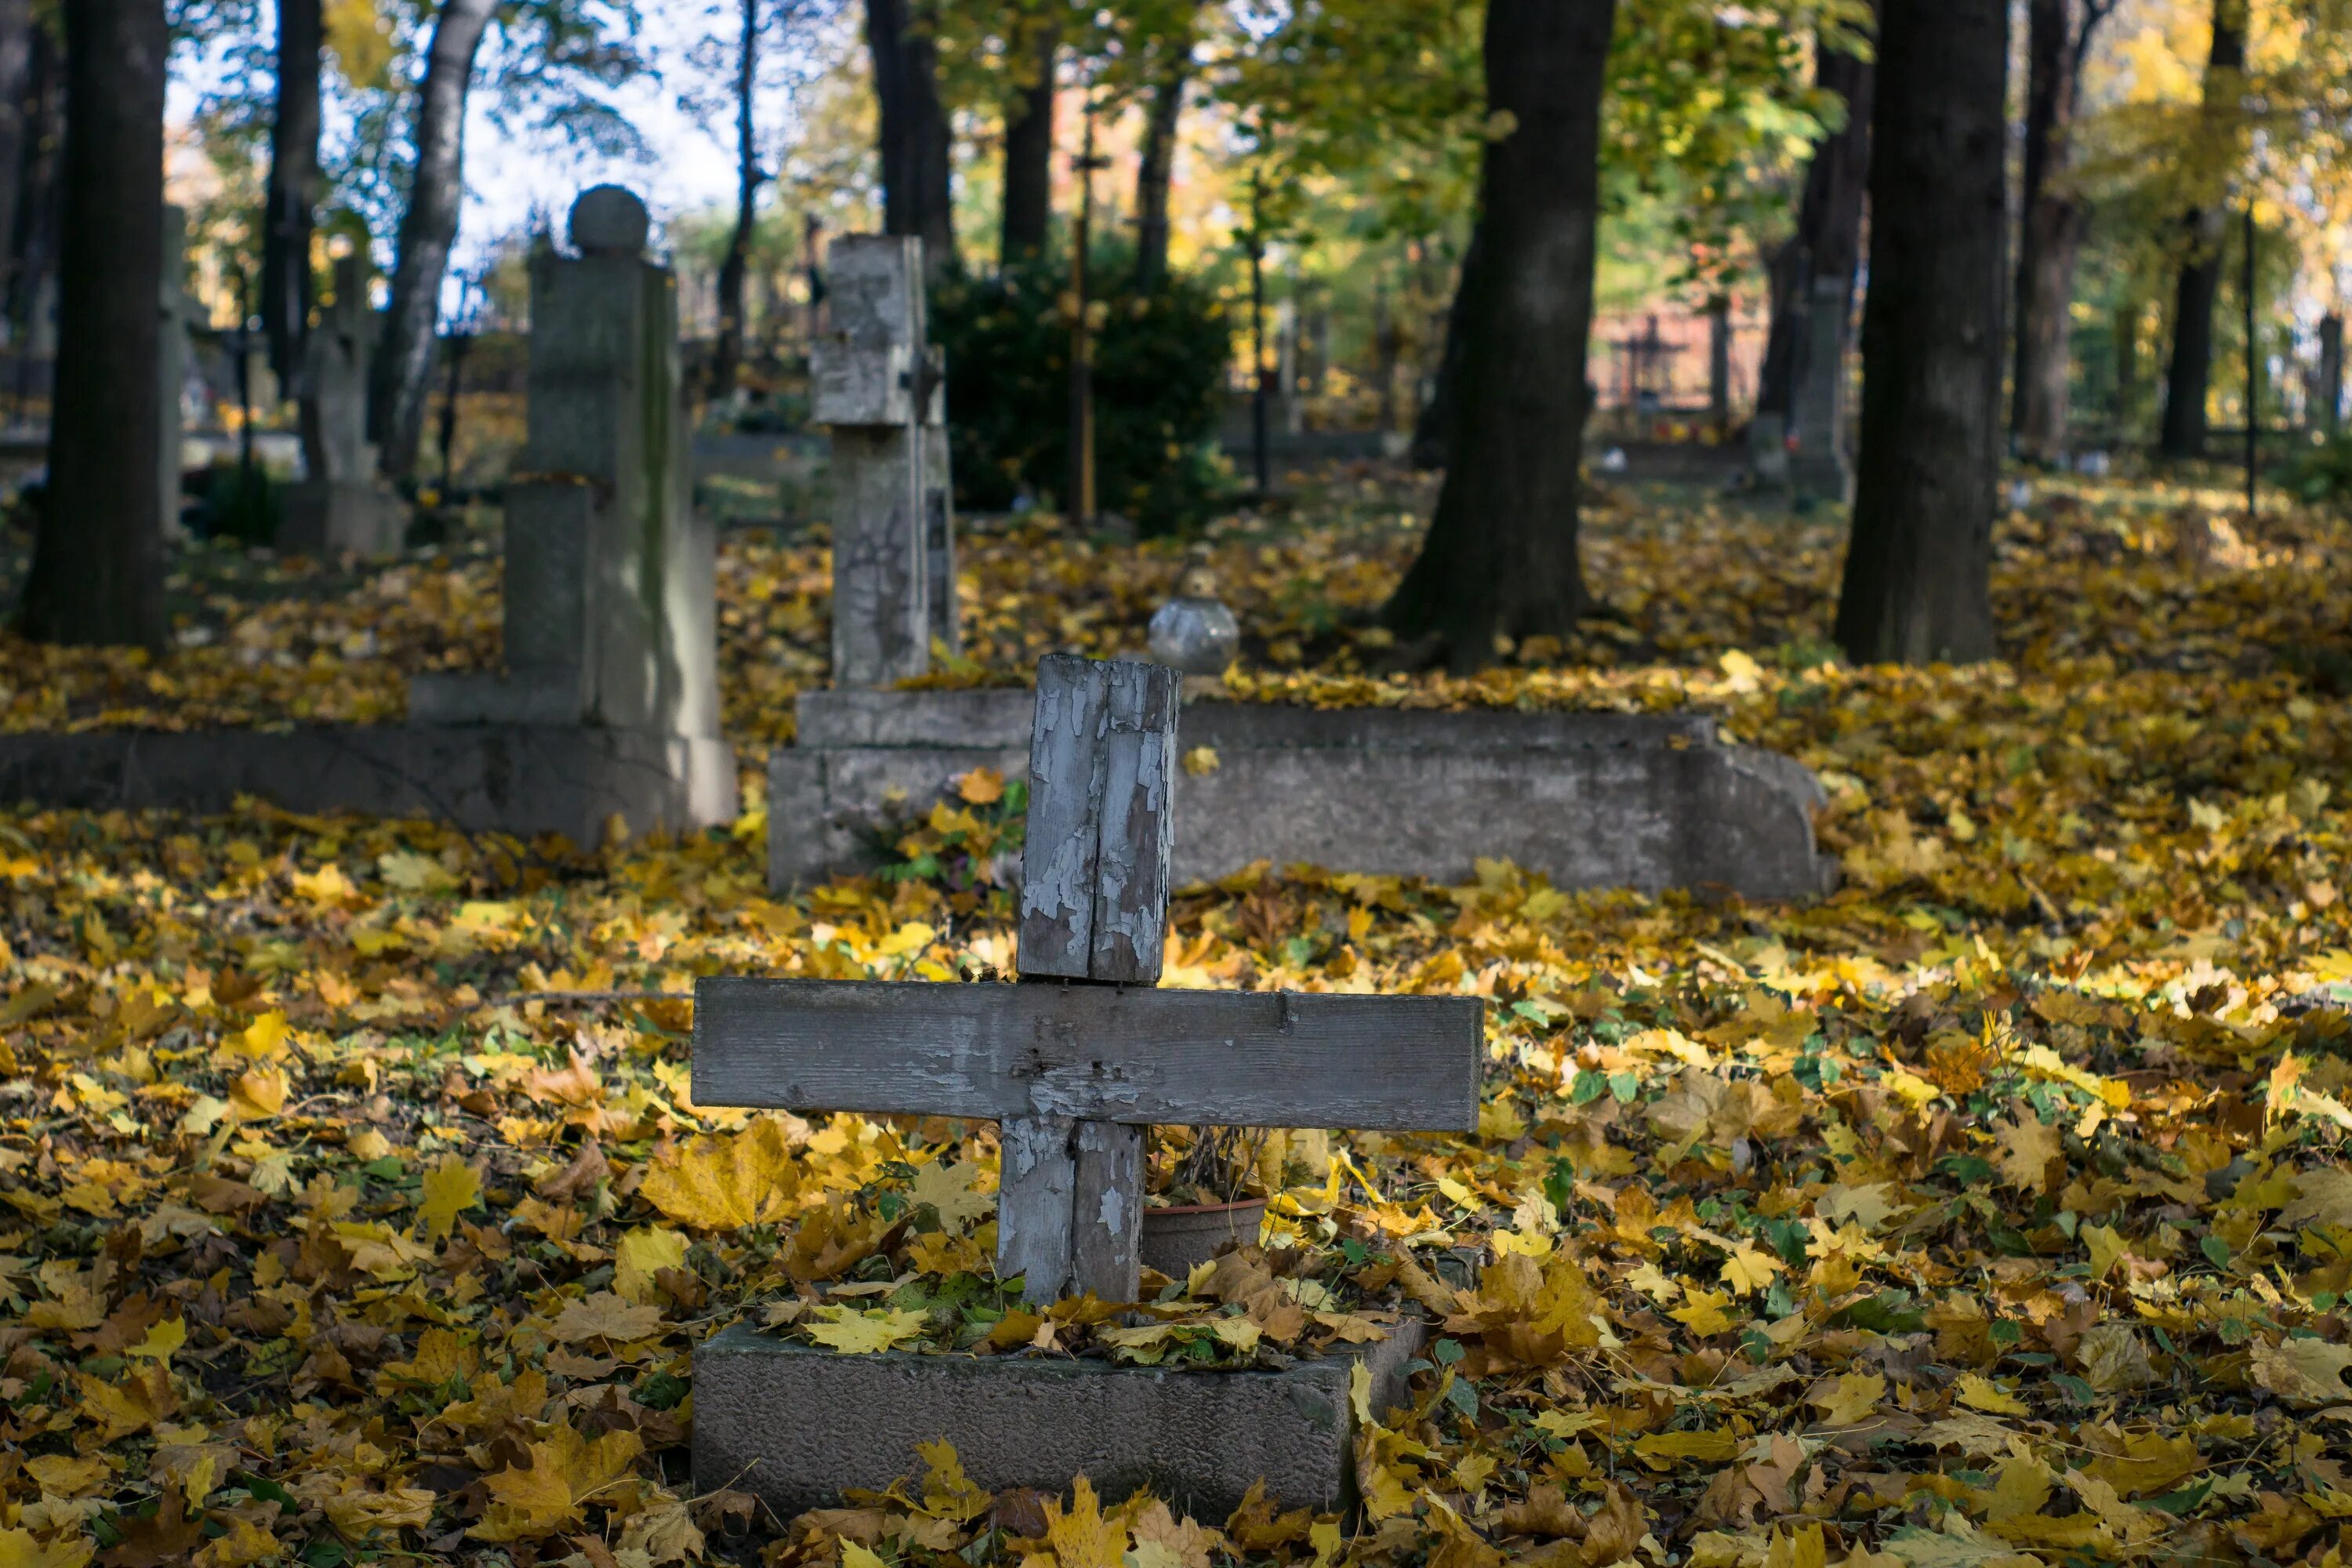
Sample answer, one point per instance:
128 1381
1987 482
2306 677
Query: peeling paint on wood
1100 1052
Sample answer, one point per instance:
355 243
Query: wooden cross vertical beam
1094 909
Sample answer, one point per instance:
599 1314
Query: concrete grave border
1199 1437
523 779
1591 800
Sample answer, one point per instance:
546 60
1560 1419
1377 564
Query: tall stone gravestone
341 504
1074 1064
171 366
1820 466
879 384
610 577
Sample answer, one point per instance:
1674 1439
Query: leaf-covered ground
1991 1210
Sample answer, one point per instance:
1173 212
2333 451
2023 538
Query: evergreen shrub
1159 380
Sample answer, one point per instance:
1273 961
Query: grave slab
1643 801
795 1426
523 779
1073 1064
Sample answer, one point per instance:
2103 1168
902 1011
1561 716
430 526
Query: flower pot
1175 1239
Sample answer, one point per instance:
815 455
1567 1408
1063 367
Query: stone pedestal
797 1426
611 594
341 517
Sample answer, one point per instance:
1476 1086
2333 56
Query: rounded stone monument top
608 219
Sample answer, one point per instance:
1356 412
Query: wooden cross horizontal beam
1092 1053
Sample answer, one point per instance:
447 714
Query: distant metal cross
1076 1063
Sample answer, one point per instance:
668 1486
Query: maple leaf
1750 1269
2323 1195
2025 1151
1703 1312
1981 1393
948 1492
1081 1537
1164 1540
245 1539
664 1532
62 1476
447 1190
2304 1373
566 1472
854 1333
726 1181
143 1398
606 1315
355 1513
947 1188
643 1253
23 1549
1852 1398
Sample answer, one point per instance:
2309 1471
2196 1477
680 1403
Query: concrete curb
1591 800
797 1425
504 778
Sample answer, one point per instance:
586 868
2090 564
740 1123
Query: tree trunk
404 370
16 120
2199 285
2051 238
1500 559
1828 241
293 194
1029 159
727 361
98 564
1918 567
1157 167
913 131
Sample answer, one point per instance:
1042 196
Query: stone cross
1077 1062
338 352
877 383
341 504
610 578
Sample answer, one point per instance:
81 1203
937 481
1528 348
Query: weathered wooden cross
1076 1063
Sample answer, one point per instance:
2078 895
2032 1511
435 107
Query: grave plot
1649 802
1074 1064
608 704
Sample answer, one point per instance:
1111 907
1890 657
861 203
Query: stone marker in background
171 366
879 385
1074 1064
1194 631
608 707
1818 466
1590 800
343 504
611 596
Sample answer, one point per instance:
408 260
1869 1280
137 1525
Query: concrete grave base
333 517
795 1424
1591 800
521 779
